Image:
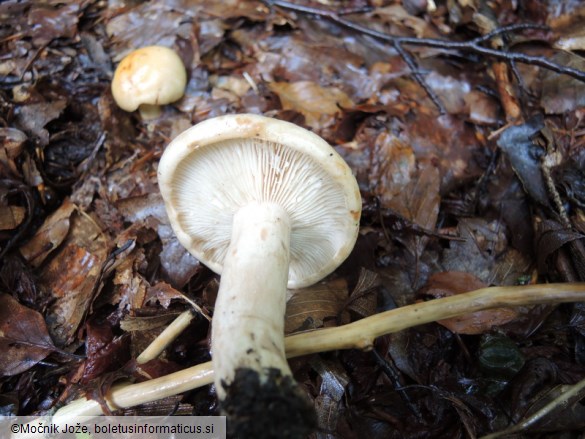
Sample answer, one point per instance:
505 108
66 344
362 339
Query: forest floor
463 122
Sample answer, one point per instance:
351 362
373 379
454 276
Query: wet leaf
449 143
24 339
419 202
315 306
551 236
50 22
563 93
11 217
33 118
104 352
459 98
476 255
333 383
178 264
451 283
363 299
49 236
12 141
72 277
316 103
517 143
393 166
130 291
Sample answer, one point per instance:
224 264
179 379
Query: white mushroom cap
153 75
213 169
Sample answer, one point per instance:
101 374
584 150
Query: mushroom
148 78
268 205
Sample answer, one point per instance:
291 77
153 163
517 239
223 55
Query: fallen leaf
476 254
51 22
130 285
49 236
71 277
177 263
451 283
363 299
392 168
11 217
24 339
516 142
316 103
104 352
310 307
450 143
419 202
32 118
12 143
551 236
562 93
164 293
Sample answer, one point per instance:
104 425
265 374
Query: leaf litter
90 271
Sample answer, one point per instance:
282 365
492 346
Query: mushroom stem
253 379
149 111
248 323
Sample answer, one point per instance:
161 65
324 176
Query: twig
357 335
565 399
471 46
419 78
166 337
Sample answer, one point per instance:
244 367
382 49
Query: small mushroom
266 204
148 78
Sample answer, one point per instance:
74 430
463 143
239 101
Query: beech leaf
24 338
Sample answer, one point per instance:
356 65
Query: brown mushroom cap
213 169
153 75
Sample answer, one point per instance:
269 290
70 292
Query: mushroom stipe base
275 408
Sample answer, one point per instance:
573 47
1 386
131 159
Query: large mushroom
266 204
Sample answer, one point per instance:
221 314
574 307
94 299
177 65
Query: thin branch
472 46
410 62
509 28
565 399
357 335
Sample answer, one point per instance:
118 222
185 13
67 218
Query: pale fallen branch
566 399
165 338
357 335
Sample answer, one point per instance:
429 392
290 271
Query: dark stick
472 46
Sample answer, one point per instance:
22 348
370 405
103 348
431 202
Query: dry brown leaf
51 22
24 339
483 241
49 236
310 307
561 93
130 285
364 298
451 283
399 16
450 143
11 217
393 164
32 118
419 202
72 275
316 103
148 212
164 293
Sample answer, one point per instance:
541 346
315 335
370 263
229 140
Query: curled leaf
24 338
